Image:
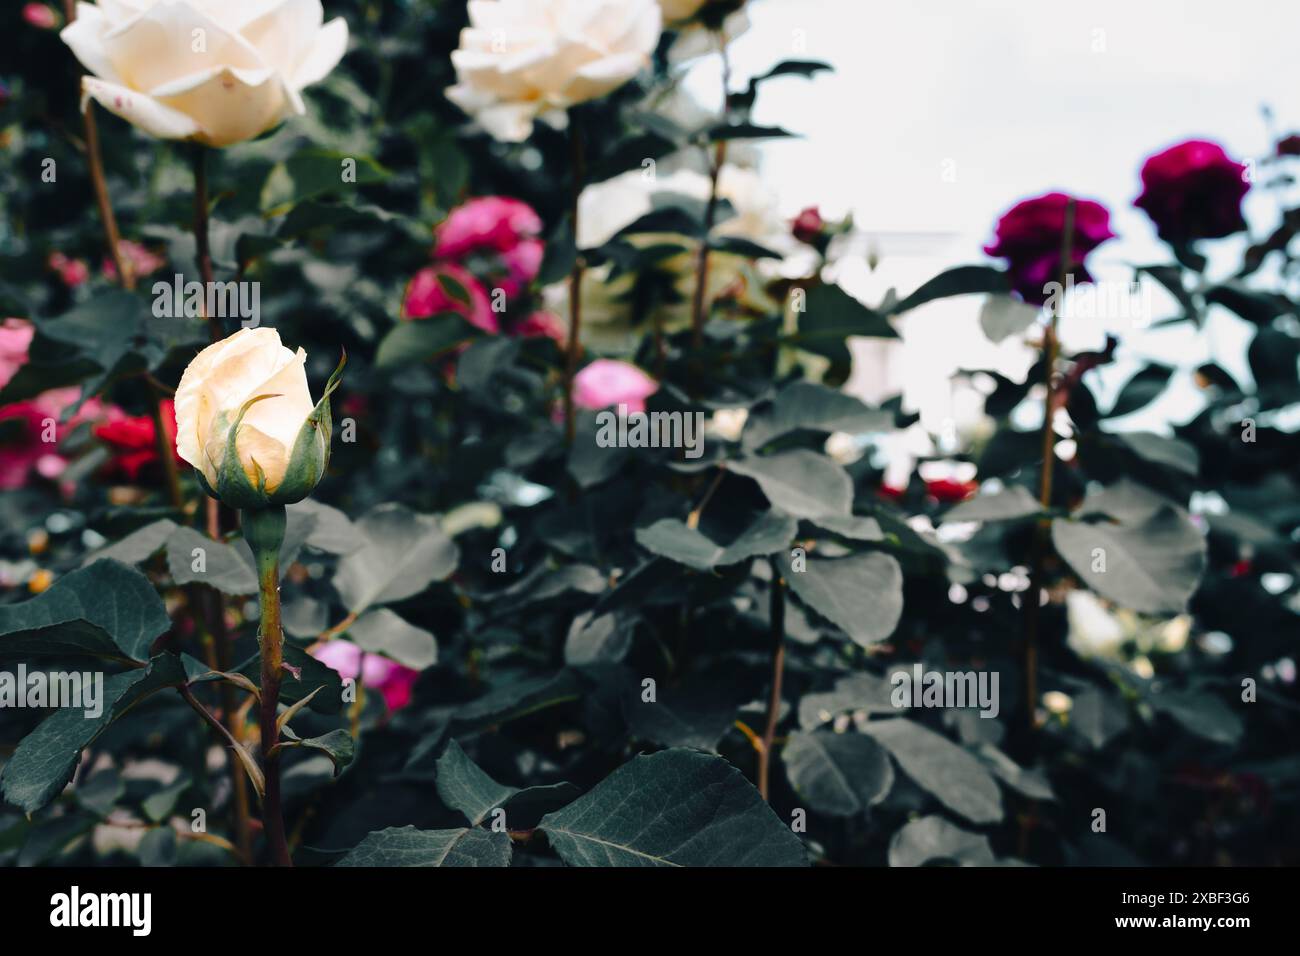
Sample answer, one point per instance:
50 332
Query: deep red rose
1290 146
949 490
1193 191
1029 237
807 226
132 442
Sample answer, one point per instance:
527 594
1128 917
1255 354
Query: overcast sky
1009 99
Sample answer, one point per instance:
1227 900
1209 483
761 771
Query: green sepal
311 449
233 486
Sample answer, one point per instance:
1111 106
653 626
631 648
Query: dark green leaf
861 594
957 779
47 757
838 774
407 846
962 280
106 609
673 808
403 553
800 482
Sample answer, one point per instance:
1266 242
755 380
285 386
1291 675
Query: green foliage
585 636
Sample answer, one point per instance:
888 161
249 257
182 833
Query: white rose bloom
216 71
1094 631
521 59
220 383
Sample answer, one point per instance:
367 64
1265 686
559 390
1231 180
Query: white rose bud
215 71
520 59
246 422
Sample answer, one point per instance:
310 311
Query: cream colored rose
221 382
521 59
1094 630
216 71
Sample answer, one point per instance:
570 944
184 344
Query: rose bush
448 586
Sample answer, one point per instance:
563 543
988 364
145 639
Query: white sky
1015 99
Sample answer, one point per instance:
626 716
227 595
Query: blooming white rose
520 59
246 421
215 71
1094 631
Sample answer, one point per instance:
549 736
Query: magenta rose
15 338
427 294
607 382
1193 191
27 424
1029 237
392 680
503 231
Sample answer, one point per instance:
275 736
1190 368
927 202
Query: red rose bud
949 490
132 441
1029 237
1193 191
807 226
1289 146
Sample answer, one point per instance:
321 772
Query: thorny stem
711 209
125 275
264 531
776 614
1033 596
202 246
574 348
203 257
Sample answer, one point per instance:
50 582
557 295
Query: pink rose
73 272
15 339
40 15
139 259
392 680
607 382
426 296
498 228
29 451
496 223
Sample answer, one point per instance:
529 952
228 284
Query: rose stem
776 615
1033 597
711 209
574 350
217 617
114 240
264 532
